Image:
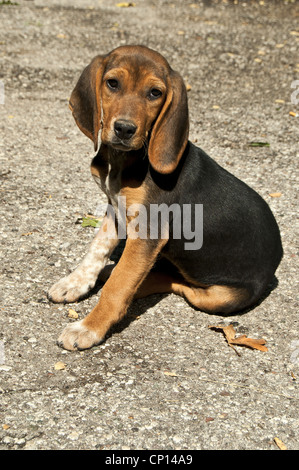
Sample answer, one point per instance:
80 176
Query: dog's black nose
124 129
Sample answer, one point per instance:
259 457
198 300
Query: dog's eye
113 84
154 94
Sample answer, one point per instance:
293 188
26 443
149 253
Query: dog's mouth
118 144
125 145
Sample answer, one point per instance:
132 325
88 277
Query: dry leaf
5 427
209 419
275 194
280 444
59 366
242 340
72 313
250 343
126 4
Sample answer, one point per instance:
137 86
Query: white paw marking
71 288
77 336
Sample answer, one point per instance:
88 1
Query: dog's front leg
77 284
136 261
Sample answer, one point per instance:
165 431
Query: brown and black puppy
146 165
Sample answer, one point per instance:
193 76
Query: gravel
162 379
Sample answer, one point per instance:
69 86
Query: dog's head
134 96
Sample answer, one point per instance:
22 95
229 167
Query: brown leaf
230 335
250 343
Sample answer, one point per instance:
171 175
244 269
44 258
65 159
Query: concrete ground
162 379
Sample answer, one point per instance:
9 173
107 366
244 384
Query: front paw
70 288
77 336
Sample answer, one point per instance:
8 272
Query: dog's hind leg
211 299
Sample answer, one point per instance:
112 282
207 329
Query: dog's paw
76 336
70 288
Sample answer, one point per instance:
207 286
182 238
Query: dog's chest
113 184
110 183
121 178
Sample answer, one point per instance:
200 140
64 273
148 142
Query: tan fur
123 283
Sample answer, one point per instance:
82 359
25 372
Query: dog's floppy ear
169 135
85 100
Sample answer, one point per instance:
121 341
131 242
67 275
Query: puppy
146 165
